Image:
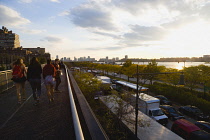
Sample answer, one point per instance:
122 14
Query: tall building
10 50
126 57
8 39
107 58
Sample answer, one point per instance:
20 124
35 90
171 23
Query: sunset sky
114 28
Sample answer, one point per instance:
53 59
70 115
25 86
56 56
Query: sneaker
50 100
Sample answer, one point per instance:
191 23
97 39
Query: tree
170 78
42 60
192 76
130 71
127 63
152 68
88 84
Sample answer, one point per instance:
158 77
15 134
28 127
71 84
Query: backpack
17 72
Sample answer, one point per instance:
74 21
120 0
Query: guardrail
77 126
5 80
92 124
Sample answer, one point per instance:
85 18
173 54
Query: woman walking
19 77
34 78
49 75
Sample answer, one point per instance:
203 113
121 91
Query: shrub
181 95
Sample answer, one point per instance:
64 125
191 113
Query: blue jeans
36 87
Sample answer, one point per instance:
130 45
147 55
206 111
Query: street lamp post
137 97
181 82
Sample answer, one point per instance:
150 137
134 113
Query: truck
151 107
147 128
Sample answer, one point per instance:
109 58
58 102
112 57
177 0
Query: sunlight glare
180 66
195 35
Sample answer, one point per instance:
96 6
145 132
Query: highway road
175 105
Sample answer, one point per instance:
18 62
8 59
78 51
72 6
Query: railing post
7 80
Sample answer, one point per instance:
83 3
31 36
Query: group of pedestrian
50 72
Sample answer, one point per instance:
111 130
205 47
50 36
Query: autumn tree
152 68
192 76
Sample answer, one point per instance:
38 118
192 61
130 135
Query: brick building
8 38
10 49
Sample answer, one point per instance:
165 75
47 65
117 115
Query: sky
149 29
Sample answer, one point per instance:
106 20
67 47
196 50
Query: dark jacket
34 71
49 69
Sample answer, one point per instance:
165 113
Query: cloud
57 1
25 1
107 34
10 17
140 6
32 31
143 33
180 22
204 12
64 13
92 16
52 39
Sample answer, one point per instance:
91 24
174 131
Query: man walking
57 76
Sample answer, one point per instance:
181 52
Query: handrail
93 125
77 126
5 80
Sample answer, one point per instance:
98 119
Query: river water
175 65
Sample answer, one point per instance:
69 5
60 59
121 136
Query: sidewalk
44 121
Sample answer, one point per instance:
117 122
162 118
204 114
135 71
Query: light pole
181 82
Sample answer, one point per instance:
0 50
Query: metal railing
77 125
92 124
5 80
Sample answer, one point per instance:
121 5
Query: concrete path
44 121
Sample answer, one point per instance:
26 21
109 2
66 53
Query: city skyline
204 58
114 28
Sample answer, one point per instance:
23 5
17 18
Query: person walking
57 76
34 77
19 77
48 75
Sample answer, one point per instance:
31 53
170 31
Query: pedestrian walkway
44 121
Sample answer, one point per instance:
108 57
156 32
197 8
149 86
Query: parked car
163 100
171 112
203 125
194 112
189 131
114 74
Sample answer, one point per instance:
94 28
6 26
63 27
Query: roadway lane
175 105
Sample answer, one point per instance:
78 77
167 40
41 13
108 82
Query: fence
5 80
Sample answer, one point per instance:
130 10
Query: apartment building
8 38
